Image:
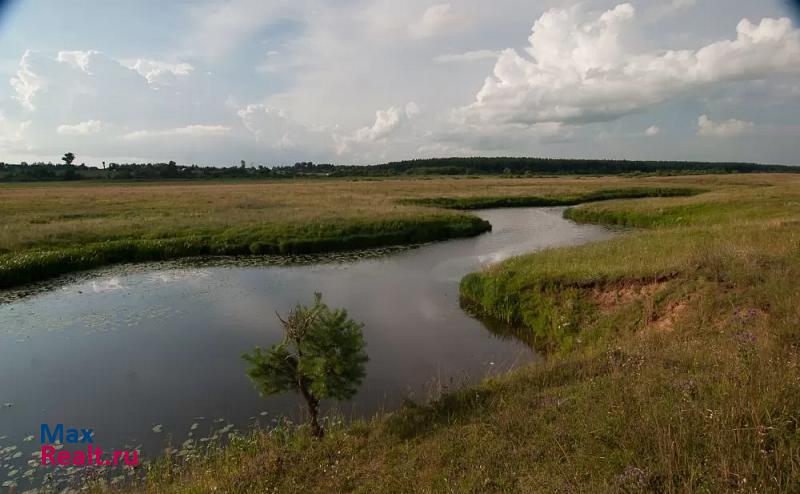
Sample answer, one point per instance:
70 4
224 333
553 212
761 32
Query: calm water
127 350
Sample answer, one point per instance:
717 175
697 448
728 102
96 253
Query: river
146 352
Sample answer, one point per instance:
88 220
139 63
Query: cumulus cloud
436 20
276 128
189 130
12 135
80 79
576 71
386 123
78 59
79 93
88 127
156 72
326 67
652 131
26 83
266 123
727 128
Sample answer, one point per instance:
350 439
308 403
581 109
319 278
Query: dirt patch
609 298
657 319
665 322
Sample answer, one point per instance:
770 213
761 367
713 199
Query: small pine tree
321 356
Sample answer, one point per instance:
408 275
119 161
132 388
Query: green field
673 361
673 366
51 229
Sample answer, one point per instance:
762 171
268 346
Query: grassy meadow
51 229
673 362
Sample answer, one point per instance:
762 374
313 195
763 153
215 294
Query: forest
503 166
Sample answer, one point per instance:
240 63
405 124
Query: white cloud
276 128
12 135
81 129
386 123
727 128
189 131
78 59
580 72
469 56
323 68
69 93
154 71
437 19
265 122
412 109
160 72
652 131
26 84
78 80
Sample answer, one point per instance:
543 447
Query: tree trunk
313 412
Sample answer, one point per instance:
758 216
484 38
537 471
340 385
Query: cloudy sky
366 81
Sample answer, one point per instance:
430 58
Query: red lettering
63 458
98 453
47 454
134 461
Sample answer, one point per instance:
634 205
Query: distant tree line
40 172
548 166
25 172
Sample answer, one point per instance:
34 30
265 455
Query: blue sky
366 81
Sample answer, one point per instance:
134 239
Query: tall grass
48 230
467 203
676 368
35 265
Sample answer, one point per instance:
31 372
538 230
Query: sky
369 81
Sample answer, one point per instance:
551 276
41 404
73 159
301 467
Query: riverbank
52 230
674 367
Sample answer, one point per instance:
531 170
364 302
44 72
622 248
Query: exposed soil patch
665 322
609 298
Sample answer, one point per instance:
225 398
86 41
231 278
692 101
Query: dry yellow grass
677 370
56 215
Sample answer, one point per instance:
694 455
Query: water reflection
132 351
500 329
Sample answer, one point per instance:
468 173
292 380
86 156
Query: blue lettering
46 435
87 435
72 436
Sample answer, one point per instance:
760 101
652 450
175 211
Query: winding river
143 353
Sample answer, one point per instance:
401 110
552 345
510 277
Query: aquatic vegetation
31 477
